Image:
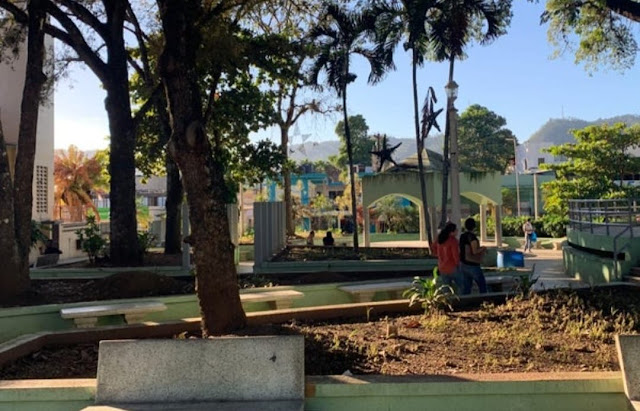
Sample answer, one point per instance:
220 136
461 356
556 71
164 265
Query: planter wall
549 392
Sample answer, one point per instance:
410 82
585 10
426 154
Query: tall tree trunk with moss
426 224
445 154
16 196
202 170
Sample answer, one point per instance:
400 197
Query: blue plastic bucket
510 259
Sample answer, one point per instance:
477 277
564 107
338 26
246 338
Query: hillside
557 131
314 151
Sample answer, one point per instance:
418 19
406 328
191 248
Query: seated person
51 248
328 239
311 237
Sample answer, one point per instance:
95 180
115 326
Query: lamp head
451 89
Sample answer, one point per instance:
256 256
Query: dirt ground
556 331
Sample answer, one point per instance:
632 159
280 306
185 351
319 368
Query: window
540 160
42 191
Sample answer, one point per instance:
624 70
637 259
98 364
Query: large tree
16 193
408 21
342 34
361 143
453 24
93 33
292 19
200 162
601 33
485 143
596 166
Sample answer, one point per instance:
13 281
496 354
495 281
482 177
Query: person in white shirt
528 231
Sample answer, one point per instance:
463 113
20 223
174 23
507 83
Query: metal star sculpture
384 153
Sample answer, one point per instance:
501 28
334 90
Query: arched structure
403 180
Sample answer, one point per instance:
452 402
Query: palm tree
340 35
453 24
76 177
408 20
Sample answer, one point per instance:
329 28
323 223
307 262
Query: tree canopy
601 33
595 167
362 144
484 141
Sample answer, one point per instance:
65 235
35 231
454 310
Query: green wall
591 392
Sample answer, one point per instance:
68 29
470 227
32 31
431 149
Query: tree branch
144 109
86 16
626 8
73 38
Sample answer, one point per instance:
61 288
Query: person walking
471 256
528 229
449 256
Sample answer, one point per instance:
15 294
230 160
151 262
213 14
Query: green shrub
555 225
550 225
92 242
431 293
145 241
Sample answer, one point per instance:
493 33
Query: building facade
12 77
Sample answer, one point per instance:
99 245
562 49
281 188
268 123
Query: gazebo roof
432 162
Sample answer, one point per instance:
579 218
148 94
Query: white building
530 156
12 78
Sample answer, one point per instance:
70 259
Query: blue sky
514 76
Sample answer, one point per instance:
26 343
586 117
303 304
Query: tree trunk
173 235
352 178
445 155
203 173
286 177
173 222
420 147
122 196
16 207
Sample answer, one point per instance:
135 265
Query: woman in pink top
449 255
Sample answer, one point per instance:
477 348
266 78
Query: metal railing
617 218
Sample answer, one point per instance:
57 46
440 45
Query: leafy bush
91 240
555 225
145 240
37 234
550 225
433 295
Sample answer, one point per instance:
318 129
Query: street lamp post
451 90
515 170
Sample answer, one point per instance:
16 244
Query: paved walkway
549 270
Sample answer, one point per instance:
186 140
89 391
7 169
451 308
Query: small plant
433 295
37 234
92 242
145 240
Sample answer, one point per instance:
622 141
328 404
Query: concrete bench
228 373
277 300
363 293
501 283
87 317
47 260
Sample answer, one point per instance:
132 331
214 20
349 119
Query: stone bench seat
87 316
278 300
363 293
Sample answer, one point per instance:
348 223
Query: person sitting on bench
328 240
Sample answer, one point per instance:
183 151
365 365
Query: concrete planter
538 391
